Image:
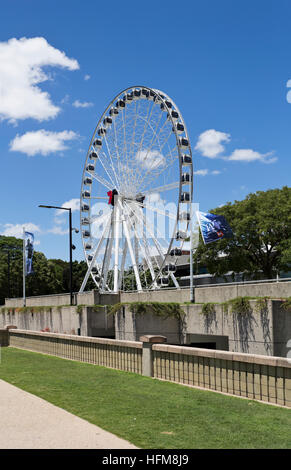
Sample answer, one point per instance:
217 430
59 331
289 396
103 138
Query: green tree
261 241
51 276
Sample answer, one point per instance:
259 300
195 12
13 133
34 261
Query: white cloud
65 99
201 172
153 198
150 160
210 143
87 77
21 70
79 104
206 172
73 204
42 142
249 155
58 231
16 230
288 96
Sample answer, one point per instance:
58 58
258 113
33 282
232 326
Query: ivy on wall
241 305
287 304
95 308
159 309
208 308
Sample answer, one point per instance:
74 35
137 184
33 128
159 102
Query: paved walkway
28 422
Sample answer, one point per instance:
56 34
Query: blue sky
226 64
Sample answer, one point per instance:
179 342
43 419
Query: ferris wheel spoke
149 256
130 168
148 224
107 254
144 246
162 255
120 162
148 150
160 189
105 169
155 209
124 253
117 184
133 260
100 180
136 241
146 124
156 137
157 174
155 134
131 149
166 140
170 154
97 249
116 248
124 135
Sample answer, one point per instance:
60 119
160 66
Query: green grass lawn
151 414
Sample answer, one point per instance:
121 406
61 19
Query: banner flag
213 227
29 240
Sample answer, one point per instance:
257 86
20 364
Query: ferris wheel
136 193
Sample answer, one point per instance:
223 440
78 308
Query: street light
72 247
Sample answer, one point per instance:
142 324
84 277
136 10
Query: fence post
4 335
147 354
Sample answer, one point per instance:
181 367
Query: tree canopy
51 276
261 242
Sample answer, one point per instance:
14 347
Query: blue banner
29 240
213 227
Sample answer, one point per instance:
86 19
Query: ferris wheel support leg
144 248
173 277
107 256
94 257
148 260
122 265
116 248
133 260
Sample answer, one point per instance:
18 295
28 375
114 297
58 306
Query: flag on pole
29 240
213 227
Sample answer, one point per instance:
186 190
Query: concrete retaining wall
262 331
281 329
163 295
273 289
92 321
129 326
266 379
85 298
276 290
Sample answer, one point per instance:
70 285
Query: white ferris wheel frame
118 219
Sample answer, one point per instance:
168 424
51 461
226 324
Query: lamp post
70 241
